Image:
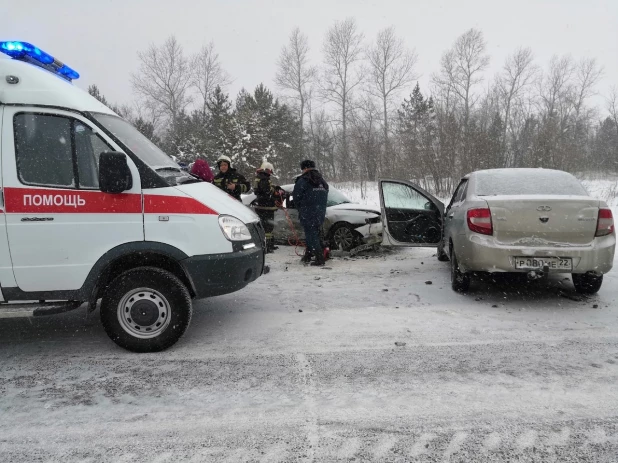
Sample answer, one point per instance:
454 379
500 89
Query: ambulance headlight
234 229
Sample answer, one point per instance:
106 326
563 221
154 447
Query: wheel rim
343 238
144 313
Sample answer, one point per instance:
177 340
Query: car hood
355 207
213 197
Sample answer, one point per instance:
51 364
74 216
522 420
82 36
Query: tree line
361 114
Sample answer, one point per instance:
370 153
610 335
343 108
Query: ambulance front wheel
146 309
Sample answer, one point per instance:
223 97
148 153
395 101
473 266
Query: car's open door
410 215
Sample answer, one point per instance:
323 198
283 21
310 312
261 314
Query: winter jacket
232 176
310 197
202 170
265 192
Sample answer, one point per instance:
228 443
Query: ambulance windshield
143 148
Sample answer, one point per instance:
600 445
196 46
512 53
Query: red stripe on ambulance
160 204
56 201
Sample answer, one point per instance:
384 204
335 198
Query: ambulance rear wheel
146 309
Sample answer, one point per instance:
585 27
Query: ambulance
92 212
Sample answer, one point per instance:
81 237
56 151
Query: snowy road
507 372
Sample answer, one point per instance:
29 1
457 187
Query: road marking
420 447
455 445
559 439
492 442
526 440
384 446
349 448
597 436
309 391
277 452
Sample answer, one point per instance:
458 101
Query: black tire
460 281
343 236
157 298
441 255
586 283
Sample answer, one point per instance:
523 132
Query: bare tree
163 79
587 75
612 106
461 69
365 120
295 74
391 70
207 73
556 85
342 51
517 75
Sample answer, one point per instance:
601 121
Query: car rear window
528 182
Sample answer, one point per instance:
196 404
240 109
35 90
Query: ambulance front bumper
217 274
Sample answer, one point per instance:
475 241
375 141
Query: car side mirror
428 206
114 173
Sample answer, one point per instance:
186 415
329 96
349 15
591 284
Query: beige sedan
533 221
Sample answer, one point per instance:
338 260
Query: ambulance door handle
37 219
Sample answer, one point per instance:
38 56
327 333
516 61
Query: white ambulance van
91 210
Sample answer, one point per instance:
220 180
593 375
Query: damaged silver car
347 225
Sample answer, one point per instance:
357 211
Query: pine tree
605 150
220 126
265 130
416 127
94 91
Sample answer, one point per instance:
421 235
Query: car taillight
479 221
605 223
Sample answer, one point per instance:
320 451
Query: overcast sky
100 38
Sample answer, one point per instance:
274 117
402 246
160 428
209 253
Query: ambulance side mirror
114 173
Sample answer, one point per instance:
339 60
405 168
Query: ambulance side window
57 151
43 150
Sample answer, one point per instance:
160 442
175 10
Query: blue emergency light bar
24 51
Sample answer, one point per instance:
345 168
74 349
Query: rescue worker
201 169
266 197
229 180
310 196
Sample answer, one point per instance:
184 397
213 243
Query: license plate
538 263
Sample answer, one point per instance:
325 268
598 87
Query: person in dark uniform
310 197
266 197
229 180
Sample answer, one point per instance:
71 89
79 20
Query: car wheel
586 283
146 309
442 256
460 281
343 236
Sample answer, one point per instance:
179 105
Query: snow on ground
364 360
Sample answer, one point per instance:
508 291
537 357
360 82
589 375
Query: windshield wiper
174 169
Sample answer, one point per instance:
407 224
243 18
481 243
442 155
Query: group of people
310 196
